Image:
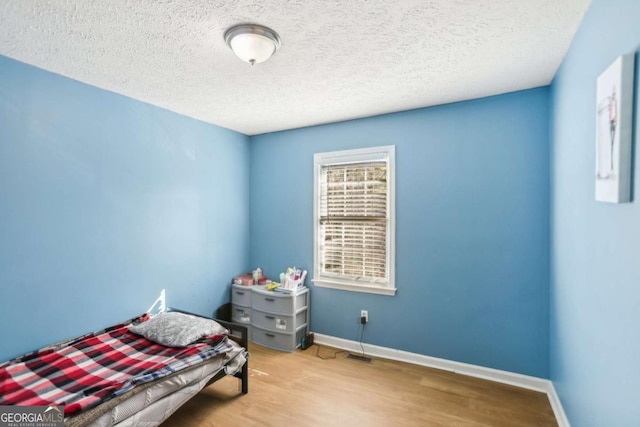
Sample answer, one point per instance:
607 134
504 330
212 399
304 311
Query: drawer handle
240 310
270 317
269 299
270 335
239 293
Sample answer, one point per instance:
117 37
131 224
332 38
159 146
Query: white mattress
155 404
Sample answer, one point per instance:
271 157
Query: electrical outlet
364 314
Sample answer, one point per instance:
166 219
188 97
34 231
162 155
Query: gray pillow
177 329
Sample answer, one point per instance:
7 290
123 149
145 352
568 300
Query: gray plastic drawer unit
275 302
278 320
241 314
278 340
241 295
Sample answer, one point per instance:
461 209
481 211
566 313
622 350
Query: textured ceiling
339 59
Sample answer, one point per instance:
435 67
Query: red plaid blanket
96 367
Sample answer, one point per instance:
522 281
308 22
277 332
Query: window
354 210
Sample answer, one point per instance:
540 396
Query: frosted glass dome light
252 43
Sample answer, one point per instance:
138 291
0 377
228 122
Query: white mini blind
353 216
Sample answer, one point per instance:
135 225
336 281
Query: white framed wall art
614 122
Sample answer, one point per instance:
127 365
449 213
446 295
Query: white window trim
351 156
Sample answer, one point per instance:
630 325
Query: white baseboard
505 377
556 405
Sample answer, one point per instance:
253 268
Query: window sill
369 289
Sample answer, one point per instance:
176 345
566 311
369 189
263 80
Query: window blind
353 219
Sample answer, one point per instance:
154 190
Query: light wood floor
300 389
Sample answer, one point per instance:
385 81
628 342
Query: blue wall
595 247
104 201
472 245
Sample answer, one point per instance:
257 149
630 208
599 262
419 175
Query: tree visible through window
354 209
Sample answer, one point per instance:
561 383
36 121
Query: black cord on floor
328 357
342 351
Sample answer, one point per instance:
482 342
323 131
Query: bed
122 375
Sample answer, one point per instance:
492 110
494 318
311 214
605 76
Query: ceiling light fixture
252 43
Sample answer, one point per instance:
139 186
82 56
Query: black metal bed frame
240 335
